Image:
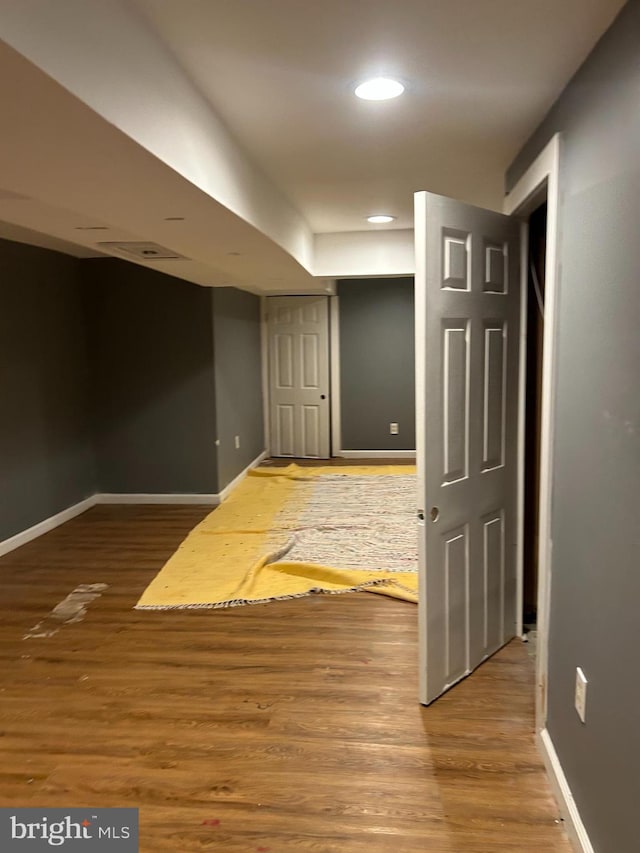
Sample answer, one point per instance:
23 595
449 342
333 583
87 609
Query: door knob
323 396
434 513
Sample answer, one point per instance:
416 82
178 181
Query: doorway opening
536 256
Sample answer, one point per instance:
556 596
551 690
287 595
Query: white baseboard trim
377 454
54 521
207 499
45 526
573 822
231 486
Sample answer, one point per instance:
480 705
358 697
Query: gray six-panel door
467 338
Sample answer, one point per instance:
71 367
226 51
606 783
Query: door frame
334 373
541 179
264 345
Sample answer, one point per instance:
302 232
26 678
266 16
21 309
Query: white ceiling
481 74
238 115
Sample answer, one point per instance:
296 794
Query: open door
467 338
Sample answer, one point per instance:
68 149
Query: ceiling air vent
141 251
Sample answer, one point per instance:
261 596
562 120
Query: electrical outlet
393 429
581 694
237 442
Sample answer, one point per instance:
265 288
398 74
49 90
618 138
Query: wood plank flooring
292 726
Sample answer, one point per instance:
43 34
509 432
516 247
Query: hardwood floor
290 726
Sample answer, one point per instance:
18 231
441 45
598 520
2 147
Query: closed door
298 331
467 339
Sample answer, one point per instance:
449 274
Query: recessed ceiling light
380 219
379 89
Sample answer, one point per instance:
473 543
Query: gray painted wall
46 456
377 363
596 482
238 378
151 348
109 383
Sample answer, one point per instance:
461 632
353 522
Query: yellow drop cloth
228 559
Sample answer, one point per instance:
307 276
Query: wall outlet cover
393 428
581 694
